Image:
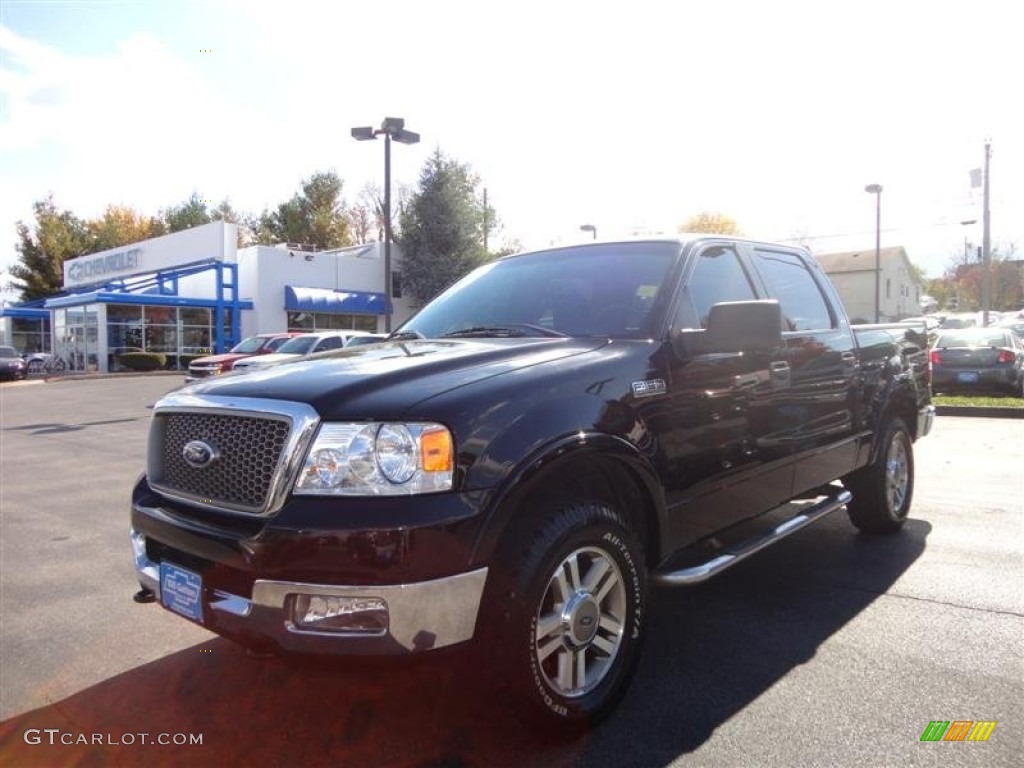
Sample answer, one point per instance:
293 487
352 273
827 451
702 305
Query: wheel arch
591 465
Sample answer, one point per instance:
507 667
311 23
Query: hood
227 357
383 381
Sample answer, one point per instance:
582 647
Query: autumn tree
120 225
55 236
964 275
442 227
711 223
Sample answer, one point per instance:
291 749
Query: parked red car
261 344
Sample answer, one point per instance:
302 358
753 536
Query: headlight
378 460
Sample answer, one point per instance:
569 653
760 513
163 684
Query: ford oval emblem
199 454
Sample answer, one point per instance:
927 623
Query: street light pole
391 128
986 243
876 190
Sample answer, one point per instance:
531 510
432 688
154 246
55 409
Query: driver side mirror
736 326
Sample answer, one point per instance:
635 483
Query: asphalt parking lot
831 648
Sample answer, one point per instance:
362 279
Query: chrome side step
739 552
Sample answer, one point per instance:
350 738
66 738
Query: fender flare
537 467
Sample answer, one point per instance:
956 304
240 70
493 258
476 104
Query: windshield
249 346
9 352
602 290
973 338
300 345
358 341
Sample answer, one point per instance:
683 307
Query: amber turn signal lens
436 450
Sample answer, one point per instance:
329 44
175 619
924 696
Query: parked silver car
299 348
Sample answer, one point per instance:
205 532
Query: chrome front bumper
925 420
421 616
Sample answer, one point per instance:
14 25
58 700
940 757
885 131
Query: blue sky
631 116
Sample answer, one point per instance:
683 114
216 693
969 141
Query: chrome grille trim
303 420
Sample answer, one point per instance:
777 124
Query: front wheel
882 491
570 627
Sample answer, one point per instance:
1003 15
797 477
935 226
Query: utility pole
986 244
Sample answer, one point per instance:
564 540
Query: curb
992 412
93 376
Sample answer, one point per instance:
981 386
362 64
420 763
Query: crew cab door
821 362
725 451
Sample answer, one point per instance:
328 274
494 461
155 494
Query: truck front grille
248 450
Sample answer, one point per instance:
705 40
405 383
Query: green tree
442 227
190 213
244 222
711 223
314 216
42 249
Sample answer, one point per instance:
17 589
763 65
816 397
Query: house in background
853 274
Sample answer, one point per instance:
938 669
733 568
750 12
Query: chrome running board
739 552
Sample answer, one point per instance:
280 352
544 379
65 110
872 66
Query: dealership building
194 292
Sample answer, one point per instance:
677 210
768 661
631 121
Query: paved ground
829 649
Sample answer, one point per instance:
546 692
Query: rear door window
790 281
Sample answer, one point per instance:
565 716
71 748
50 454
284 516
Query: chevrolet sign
85 270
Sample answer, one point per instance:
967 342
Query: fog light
351 615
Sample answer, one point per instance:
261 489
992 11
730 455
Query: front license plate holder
181 591
967 377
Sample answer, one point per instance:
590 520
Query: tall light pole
589 228
391 128
986 246
876 190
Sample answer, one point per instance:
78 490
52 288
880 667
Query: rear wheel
882 491
568 630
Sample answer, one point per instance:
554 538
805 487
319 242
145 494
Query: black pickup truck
556 432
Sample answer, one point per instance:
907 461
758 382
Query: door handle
779 371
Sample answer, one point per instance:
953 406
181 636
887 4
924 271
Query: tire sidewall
546 703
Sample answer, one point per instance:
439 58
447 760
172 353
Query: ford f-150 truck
539 444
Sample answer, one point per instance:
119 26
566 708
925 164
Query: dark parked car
12 364
978 359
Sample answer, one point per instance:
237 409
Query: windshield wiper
410 334
507 330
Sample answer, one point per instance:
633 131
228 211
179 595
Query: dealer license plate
967 377
181 591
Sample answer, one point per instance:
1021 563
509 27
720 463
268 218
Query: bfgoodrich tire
883 490
569 626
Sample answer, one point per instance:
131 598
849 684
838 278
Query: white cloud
776 114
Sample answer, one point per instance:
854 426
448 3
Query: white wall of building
264 272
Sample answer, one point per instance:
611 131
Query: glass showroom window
161 332
196 335
29 334
330 321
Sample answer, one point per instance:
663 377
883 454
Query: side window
275 343
790 281
331 342
718 276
